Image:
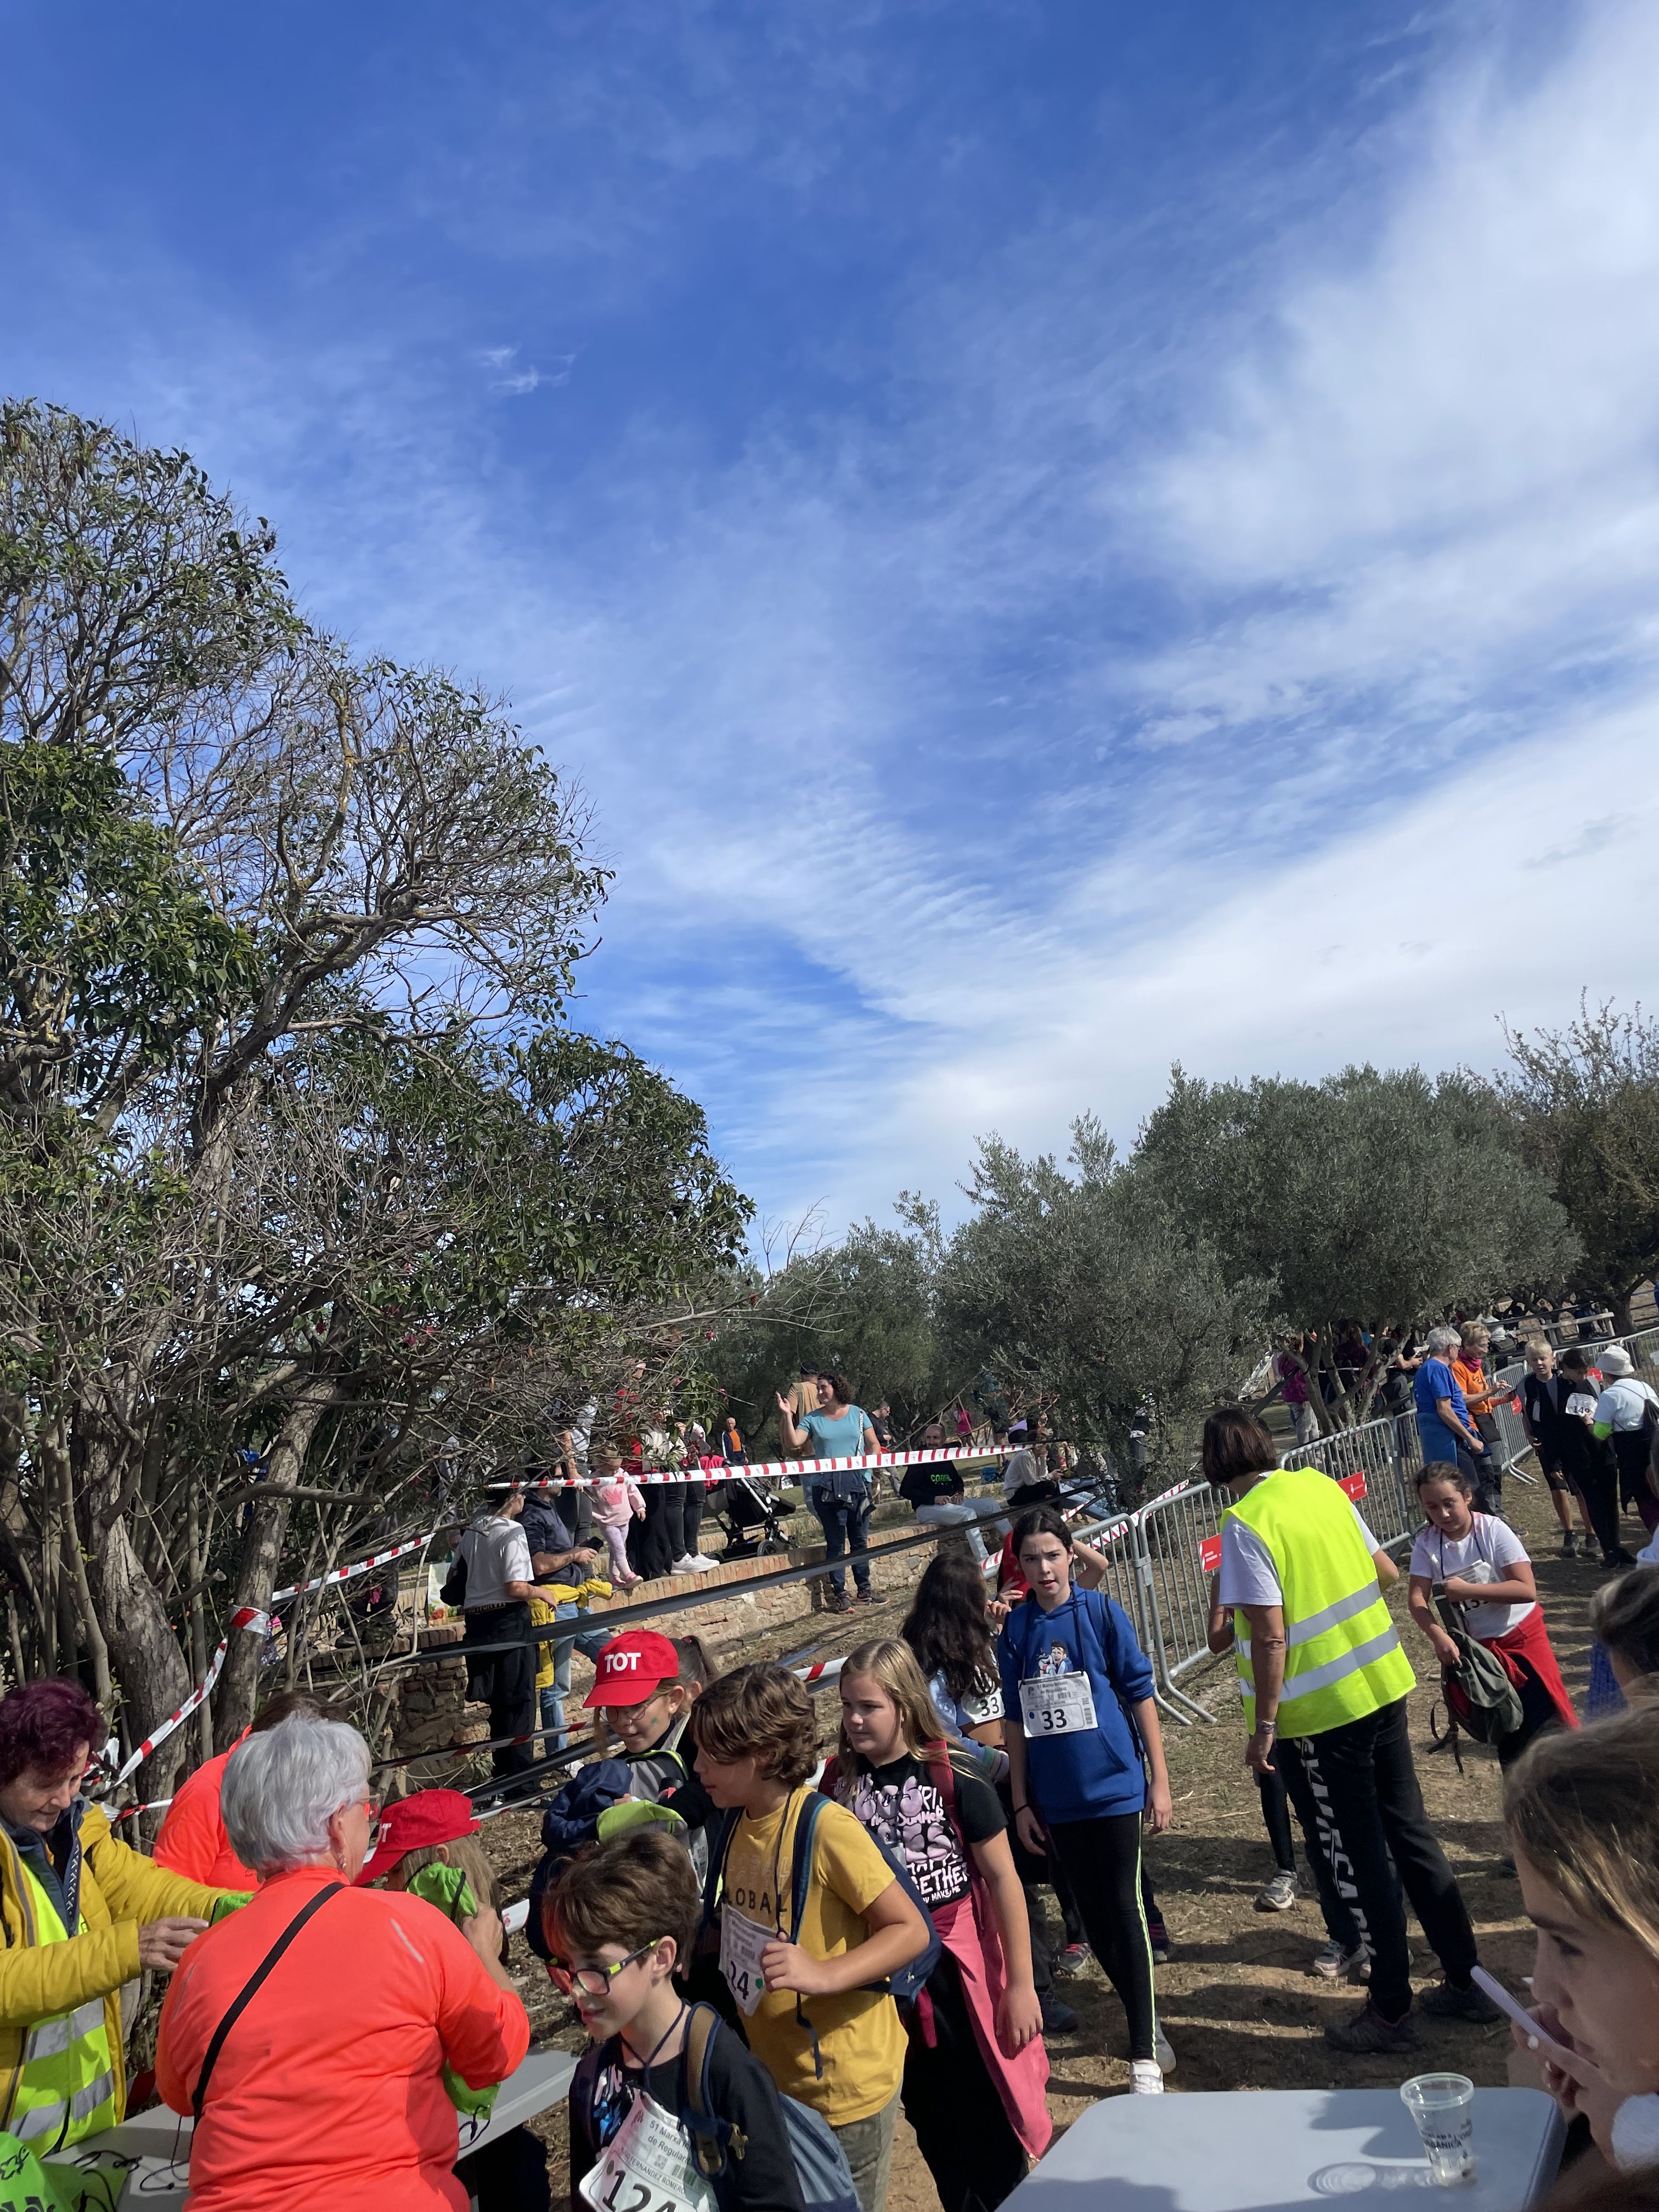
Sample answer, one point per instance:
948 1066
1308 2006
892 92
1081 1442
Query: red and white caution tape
772 1469
358 1567
132 1812
248 1617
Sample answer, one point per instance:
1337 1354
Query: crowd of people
774 1953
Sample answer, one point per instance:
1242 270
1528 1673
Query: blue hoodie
1084 1776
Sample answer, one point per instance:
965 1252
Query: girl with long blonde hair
975 2041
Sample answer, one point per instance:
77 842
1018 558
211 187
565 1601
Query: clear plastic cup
1443 2106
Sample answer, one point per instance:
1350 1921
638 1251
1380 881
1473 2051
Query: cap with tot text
632 1667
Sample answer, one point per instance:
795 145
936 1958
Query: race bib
741 1943
1056 1704
648 2166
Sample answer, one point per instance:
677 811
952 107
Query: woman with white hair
1627 1415
1447 1432
311 2033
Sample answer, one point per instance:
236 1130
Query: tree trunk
143 1650
262 1551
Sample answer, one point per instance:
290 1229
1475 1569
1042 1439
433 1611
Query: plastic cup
1443 2106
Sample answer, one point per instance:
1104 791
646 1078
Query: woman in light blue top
839 1496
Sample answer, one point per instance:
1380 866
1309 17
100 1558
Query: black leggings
1102 1861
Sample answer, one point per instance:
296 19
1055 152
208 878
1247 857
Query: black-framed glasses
593 1981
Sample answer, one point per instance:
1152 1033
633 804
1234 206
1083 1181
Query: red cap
632 1667
430 1816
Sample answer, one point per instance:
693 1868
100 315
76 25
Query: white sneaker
702 1562
1144 2080
1166 2057
685 1565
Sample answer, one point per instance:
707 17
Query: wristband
1266 1728
1022 1808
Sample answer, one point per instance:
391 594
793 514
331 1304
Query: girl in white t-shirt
1478 1564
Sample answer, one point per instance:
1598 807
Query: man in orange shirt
193 1841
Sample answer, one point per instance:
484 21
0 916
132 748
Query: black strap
251 1988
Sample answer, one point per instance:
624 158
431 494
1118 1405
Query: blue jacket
1088 1775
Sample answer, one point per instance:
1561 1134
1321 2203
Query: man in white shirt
1626 1415
502 1673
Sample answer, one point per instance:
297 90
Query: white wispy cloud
1213 629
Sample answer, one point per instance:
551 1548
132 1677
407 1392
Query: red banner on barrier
1209 1554
1353 1486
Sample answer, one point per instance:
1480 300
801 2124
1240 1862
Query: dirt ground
1237 2000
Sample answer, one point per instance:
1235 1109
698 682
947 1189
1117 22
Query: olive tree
1585 1104
1383 1198
1081 1286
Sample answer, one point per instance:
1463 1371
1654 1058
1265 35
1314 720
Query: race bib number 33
1056 1704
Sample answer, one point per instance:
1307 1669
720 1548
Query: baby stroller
751 1515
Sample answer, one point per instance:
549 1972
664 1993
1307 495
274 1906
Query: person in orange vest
193 1841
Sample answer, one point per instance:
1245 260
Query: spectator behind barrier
60 2005
1582 1817
325 2084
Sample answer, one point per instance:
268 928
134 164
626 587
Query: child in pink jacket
617 1500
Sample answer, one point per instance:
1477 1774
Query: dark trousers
846 1525
1596 1477
1371 1821
661 1534
505 1680
1102 1860
1488 1470
1339 1924
973 2166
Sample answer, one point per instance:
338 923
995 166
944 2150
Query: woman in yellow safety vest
81 1914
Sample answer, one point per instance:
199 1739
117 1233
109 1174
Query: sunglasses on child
593 1981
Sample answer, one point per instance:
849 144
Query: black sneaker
1445 2001
1569 1545
866 1597
1057 2019
1163 1949
1368 2034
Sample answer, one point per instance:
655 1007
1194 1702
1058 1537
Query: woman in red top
328 2087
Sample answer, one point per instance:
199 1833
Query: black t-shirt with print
931 1482
740 2089
900 1803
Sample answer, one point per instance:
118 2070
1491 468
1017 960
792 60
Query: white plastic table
1268 2150
159 2140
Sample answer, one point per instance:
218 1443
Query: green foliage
1379 1197
109 945
1084 1291
1585 1104
297 1156
863 1306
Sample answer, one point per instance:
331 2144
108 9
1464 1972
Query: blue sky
1057 538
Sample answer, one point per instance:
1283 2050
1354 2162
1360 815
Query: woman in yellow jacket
81 1914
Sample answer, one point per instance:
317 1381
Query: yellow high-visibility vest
66 2089
1342 1656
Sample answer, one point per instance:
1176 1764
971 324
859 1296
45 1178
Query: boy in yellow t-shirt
757 1744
